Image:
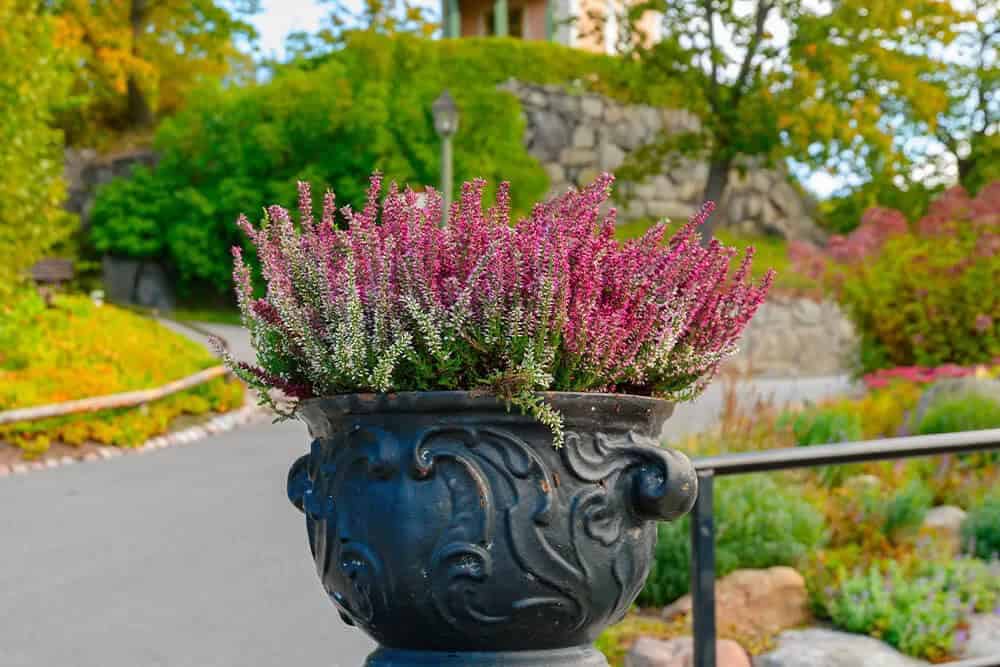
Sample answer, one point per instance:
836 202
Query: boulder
142 283
945 520
819 647
983 638
649 652
755 602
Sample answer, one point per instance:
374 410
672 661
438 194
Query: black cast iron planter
454 533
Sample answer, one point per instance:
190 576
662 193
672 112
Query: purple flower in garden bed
395 302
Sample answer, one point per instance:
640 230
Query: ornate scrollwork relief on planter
441 522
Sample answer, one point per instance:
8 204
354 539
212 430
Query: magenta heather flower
395 302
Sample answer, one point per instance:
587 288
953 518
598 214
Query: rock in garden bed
819 647
755 603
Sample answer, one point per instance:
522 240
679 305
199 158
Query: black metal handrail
703 522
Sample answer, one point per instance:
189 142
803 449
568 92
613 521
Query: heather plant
396 302
920 611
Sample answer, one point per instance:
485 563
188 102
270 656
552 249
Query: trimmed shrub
365 106
971 412
758 524
981 529
823 426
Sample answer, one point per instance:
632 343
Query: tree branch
713 86
763 9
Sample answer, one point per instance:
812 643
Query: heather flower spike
394 302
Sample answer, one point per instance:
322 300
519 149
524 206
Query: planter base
581 656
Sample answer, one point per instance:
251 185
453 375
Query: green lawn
772 252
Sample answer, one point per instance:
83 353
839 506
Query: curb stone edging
228 421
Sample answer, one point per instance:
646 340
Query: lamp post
446 123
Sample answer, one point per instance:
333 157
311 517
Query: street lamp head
445 115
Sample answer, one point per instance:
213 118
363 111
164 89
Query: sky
280 17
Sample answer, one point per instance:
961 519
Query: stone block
592 106
583 136
578 157
675 210
610 157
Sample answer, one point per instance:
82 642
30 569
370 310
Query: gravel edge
229 421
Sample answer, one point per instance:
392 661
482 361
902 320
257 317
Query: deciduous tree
33 80
820 82
138 59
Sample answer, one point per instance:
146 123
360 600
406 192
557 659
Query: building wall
475 17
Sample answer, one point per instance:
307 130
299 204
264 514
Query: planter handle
665 485
299 483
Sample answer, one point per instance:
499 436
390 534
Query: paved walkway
182 557
187 556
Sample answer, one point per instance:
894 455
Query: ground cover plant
397 302
77 349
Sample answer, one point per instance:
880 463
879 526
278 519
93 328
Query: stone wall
577 136
797 337
139 282
85 170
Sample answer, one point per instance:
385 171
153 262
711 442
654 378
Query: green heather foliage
330 123
981 529
916 612
758 524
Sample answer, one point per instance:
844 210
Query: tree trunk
965 167
715 188
138 112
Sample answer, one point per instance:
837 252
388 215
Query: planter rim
616 411
474 399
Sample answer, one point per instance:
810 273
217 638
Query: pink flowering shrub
926 297
395 302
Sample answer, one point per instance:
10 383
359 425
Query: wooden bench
50 274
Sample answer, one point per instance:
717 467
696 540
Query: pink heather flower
983 323
395 302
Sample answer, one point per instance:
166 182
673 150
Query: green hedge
364 107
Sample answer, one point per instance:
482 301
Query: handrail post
703 572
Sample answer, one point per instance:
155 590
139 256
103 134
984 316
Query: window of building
515 22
